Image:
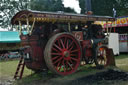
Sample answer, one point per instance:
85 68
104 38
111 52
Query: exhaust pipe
88 7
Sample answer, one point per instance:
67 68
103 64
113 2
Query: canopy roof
55 17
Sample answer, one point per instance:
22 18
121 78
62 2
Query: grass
82 71
8 68
122 56
122 62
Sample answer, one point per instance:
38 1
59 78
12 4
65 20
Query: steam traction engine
60 41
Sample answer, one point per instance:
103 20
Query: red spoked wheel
102 57
62 54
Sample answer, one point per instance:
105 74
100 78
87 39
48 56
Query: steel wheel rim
65 54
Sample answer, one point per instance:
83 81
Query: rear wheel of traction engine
101 58
62 54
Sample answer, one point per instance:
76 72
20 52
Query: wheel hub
66 54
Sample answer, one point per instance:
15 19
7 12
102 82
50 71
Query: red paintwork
65 54
35 51
88 45
78 35
88 52
62 53
84 43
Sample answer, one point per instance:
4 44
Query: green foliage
122 8
105 7
122 62
8 8
69 10
8 68
82 6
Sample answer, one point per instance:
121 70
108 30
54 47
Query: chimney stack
88 7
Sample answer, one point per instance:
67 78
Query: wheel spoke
74 59
57 47
66 66
69 65
70 45
71 61
65 41
62 43
105 62
58 60
75 50
55 57
58 65
71 48
55 50
56 53
73 55
105 59
59 43
102 53
63 65
101 62
67 45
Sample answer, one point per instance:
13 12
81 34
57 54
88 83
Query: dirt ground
107 77
6 80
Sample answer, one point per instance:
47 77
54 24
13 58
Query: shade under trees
105 7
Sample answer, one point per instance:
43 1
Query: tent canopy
9 37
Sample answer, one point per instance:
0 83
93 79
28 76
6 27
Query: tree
82 6
8 9
105 7
69 10
122 8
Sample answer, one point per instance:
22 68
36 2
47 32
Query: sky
73 4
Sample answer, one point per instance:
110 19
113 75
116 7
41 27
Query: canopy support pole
27 25
20 27
69 27
32 26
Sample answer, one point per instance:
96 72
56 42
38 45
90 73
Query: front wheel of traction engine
62 54
101 59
